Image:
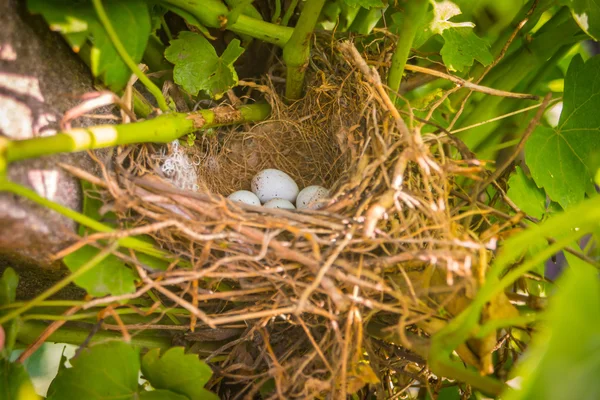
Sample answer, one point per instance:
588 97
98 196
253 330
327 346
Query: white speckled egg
244 196
280 203
310 197
271 184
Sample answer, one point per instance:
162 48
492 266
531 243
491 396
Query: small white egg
310 197
272 184
244 196
280 203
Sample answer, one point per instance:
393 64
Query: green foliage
8 286
178 372
8 293
461 45
560 158
77 21
110 371
364 3
526 195
563 362
587 15
106 371
198 67
111 276
15 383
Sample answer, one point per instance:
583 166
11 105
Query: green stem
127 242
289 12
162 129
576 222
213 13
415 10
94 261
366 20
114 38
29 331
296 52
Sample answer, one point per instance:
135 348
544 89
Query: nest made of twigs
323 301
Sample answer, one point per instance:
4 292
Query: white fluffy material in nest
178 168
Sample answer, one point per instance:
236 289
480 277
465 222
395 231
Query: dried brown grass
316 301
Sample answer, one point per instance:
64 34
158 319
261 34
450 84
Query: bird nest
302 303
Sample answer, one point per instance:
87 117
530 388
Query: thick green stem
584 217
296 52
162 129
213 13
366 20
132 243
414 10
29 332
114 38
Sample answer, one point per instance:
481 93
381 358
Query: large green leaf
526 195
198 67
15 383
77 21
178 372
563 361
560 158
111 276
587 15
106 371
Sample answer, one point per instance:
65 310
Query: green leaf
560 158
178 372
111 276
526 195
106 371
461 47
586 14
198 67
161 395
15 383
364 3
8 286
563 361
77 21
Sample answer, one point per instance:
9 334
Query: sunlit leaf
181 373
462 47
198 67
106 371
560 158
